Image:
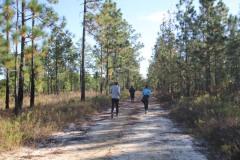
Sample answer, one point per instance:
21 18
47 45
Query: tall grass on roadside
213 119
10 134
48 116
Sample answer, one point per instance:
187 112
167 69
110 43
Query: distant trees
204 54
163 70
58 54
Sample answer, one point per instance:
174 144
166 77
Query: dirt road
133 135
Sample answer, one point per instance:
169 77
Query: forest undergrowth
215 119
51 114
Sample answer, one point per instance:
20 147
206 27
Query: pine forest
48 78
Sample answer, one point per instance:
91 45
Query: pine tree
232 51
23 32
212 21
186 21
163 66
16 40
8 14
35 32
61 45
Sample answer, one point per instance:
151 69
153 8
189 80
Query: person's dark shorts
114 100
132 95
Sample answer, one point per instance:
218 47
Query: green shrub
214 119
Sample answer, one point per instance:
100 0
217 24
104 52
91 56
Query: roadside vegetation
50 115
195 67
215 119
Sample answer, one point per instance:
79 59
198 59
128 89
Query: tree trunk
208 74
22 63
52 87
32 95
101 81
7 90
71 80
83 54
16 67
107 74
56 74
128 80
7 76
48 78
187 75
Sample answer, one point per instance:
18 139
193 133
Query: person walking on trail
115 91
132 93
146 94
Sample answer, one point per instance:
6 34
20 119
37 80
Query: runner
146 94
132 93
115 91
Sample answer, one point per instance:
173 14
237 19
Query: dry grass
51 113
44 99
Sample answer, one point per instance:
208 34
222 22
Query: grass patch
10 134
50 114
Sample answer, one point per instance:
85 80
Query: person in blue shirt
146 94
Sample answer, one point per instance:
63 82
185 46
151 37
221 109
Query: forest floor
133 135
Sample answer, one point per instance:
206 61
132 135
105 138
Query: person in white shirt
115 91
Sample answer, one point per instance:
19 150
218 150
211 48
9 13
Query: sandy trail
133 135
